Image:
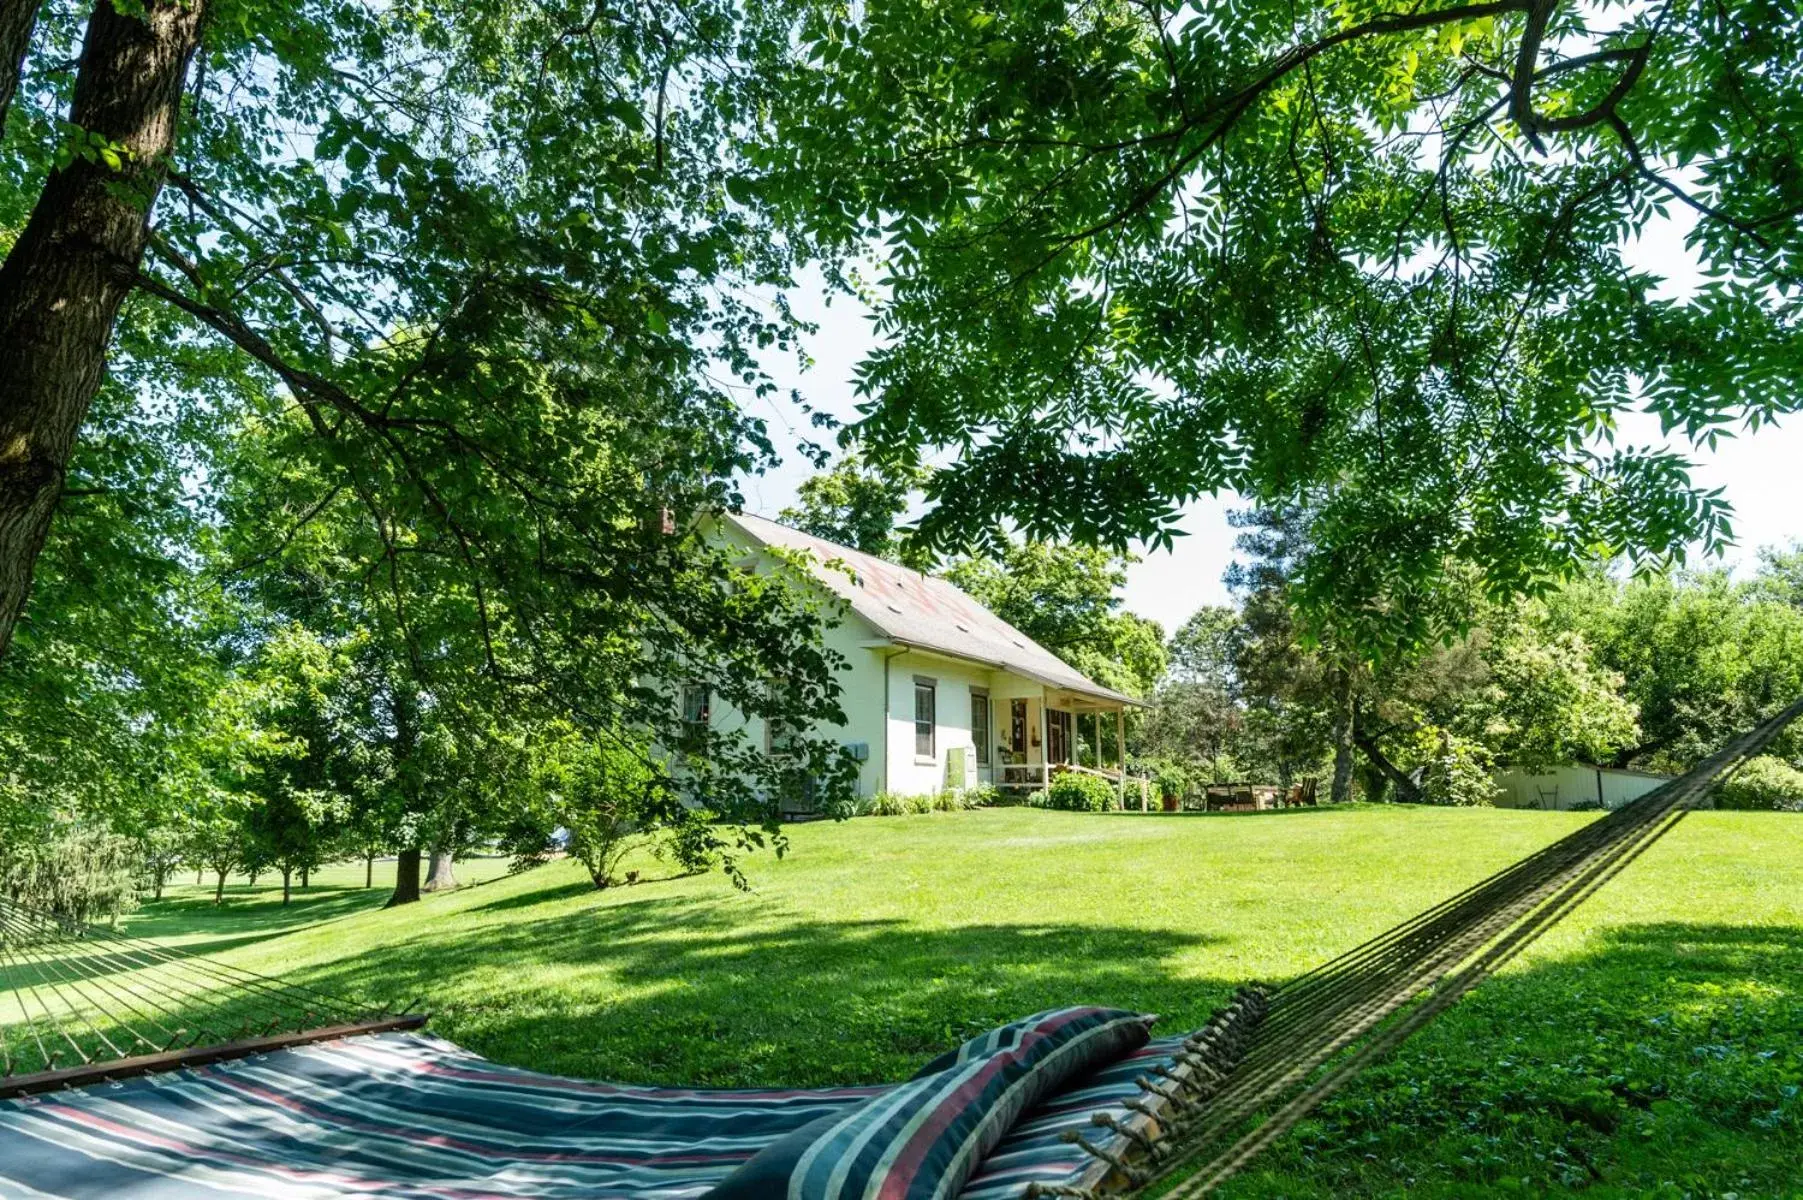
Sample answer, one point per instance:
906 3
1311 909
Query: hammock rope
1323 1027
84 1004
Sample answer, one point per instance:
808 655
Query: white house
937 690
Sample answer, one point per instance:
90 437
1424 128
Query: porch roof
926 613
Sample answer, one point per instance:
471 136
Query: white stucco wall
953 680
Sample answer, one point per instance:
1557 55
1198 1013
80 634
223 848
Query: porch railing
1035 777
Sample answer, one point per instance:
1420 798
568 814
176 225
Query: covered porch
1043 730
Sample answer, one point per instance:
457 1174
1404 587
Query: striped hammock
129 1069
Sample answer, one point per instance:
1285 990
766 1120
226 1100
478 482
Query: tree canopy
1375 261
370 371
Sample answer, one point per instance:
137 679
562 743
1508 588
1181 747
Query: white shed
1577 785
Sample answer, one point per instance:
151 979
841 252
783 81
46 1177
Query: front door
1058 735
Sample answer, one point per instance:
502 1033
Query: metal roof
924 612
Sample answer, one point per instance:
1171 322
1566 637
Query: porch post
1120 745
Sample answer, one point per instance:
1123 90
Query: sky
1762 473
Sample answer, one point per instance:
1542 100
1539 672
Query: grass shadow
261 911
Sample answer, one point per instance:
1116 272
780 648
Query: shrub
896 804
610 799
1764 784
80 875
948 801
692 843
1076 792
1458 773
886 804
984 795
1171 779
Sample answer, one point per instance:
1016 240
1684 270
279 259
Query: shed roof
924 612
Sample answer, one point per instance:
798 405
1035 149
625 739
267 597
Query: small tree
1456 772
612 803
160 851
216 842
291 830
610 798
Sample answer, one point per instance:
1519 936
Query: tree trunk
1343 721
286 891
305 872
406 877
440 877
70 270
16 20
252 873
369 870
219 892
1406 791
157 879
200 876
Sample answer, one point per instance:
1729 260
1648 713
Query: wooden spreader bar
15 1086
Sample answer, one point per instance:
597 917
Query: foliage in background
1766 783
856 505
1065 598
1650 672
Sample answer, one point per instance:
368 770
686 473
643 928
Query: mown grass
1651 1045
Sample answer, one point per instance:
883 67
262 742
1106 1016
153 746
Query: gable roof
924 612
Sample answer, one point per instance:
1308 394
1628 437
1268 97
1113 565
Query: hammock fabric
412 1117
123 1084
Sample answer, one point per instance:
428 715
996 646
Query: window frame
979 702
926 685
705 716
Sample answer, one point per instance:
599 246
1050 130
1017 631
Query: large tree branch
65 278
1406 789
17 19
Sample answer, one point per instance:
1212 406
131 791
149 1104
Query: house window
1017 726
926 704
979 724
1058 735
779 737
695 704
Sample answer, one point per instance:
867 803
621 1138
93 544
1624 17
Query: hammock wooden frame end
88 1074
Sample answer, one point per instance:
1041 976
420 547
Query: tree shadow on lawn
1198 814
687 991
564 891
260 912
1666 1060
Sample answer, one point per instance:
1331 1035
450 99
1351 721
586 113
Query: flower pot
1170 803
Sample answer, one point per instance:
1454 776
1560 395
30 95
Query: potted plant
1171 785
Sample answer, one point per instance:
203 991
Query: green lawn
1652 1045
